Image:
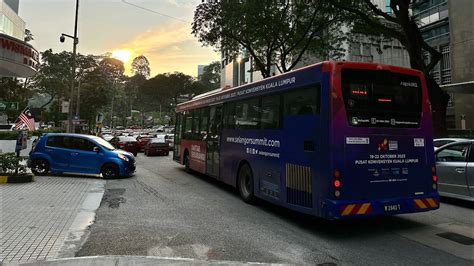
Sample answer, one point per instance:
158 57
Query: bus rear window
381 98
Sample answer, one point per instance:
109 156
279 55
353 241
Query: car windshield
105 144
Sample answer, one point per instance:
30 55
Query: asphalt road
164 211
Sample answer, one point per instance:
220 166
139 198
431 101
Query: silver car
437 143
455 170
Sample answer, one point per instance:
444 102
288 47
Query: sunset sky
109 25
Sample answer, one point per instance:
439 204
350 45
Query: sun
122 55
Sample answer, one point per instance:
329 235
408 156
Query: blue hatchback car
76 153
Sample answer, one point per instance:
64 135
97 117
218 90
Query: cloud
169 48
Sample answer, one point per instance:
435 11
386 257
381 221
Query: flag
25 118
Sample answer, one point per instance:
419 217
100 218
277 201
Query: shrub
11 164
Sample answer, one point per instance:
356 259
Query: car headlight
123 157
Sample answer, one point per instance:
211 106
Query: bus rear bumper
343 209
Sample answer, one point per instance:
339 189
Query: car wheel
135 154
145 153
245 183
110 171
167 153
40 167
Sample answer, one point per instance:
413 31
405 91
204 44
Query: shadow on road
337 229
458 202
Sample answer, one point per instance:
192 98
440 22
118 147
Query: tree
141 66
401 25
273 32
28 35
211 75
97 76
12 90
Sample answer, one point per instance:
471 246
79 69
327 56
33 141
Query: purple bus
336 140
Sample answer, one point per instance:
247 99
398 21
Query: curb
4 179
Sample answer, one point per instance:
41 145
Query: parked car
126 143
143 140
455 170
443 141
76 153
157 146
107 137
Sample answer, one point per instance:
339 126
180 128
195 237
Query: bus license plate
392 207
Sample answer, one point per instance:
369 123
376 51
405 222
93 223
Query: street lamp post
70 127
239 59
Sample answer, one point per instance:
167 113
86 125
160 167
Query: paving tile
35 217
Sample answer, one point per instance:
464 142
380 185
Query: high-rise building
200 71
448 27
17 57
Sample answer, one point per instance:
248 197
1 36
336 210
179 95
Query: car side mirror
96 149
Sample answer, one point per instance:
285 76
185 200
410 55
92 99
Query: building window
445 64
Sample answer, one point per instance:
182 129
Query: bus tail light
337 182
434 177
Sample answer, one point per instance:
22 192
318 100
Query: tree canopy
141 66
274 33
211 75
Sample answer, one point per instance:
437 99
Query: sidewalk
48 218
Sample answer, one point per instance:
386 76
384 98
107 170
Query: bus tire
245 183
186 162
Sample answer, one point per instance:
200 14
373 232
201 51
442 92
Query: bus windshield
381 98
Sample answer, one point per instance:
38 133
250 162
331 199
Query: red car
126 143
157 146
142 141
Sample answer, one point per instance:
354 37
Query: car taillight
434 177
337 182
121 144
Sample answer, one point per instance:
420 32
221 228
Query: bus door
301 146
213 141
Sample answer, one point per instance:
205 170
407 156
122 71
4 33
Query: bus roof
296 78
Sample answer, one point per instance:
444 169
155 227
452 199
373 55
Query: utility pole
71 94
78 98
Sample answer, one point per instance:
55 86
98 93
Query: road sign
99 118
64 107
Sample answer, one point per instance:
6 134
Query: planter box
12 178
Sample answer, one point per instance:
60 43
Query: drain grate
464 240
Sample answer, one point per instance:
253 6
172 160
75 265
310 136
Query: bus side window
247 114
204 122
270 116
302 102
229 115
188 123
196 117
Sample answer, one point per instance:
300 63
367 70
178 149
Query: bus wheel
245 183
186 162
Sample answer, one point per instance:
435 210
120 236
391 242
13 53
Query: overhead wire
156 12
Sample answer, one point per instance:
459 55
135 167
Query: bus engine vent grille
299 185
